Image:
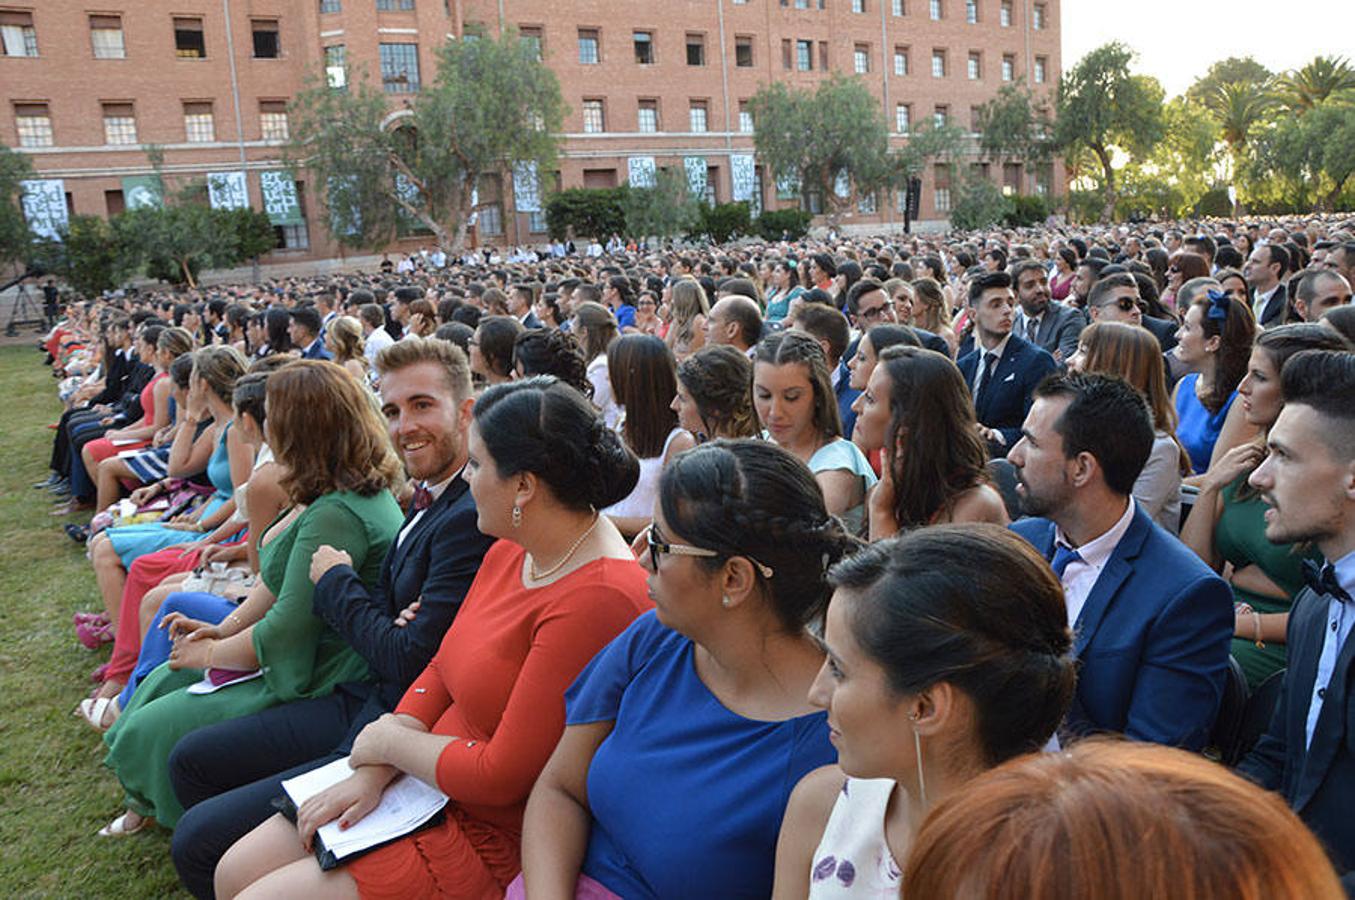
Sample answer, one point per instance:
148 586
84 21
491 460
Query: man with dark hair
304 331
736 321
1046 323
401 299
324 305
1003 368
1201 245
426 396
868 305
1308 481
1341 259
520 305
1264 270
1319 290
1088 272
829 327
375 337
1153 623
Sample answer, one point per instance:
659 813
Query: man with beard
226 775
1046 323
1153 624
1308 480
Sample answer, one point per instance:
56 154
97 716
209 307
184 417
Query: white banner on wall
227 190
526 187
44 206
695 167
743 175
641 171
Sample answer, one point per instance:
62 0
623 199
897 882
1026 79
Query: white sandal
118 827
93 710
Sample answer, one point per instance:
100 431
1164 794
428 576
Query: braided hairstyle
717 377
542 351
976 607
753 499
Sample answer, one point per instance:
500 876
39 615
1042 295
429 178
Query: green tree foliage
585 213
491 106
1103 107
1238 108
176 242
724 221
1027 210
791 223
1182 167
1233 70
1305 160
1325 79
15 238
978 204
815 137
929 143
92 256
664 210
1016 125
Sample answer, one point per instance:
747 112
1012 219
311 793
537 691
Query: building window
804 55
644 47
1011 178
897 7
940 116
197 123
400 68
866 205
1005 14
696 49
938 64
105 33
743 52
266 43
1008 68
971 12
33 121
530 36
536 222
1041 70
745 118
936 10
393 5
696 115
903 114
975 67
861 59
1037 17
188 40
588 46
593 120
858 6
17 35
119 123
648 117
336 74
900 61
331 6
273 120
941 182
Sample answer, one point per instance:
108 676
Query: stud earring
517 516
726 602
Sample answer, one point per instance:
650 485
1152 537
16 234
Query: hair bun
612 469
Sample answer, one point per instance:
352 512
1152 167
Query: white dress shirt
997 351
1080 576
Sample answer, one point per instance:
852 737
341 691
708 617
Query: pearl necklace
531 562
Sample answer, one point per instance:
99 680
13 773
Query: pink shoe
90 618
94 636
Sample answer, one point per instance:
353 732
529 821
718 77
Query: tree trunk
1108 171
187 272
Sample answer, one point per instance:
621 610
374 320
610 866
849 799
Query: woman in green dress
340 467
1227 525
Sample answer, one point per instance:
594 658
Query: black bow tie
1322 579
423 497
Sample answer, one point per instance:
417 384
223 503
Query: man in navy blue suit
1308 480
304 331
227 774
829 327
1152 623
1003 368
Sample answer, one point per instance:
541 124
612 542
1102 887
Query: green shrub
724 221
1027 210
791 223
587 212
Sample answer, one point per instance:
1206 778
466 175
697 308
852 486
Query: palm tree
1237 106
1325 78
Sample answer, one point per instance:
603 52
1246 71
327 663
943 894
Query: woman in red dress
484 717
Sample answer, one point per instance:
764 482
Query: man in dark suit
1263 271
520 305
1308 480
1152 623
226 775
304 331
1116 298
1046 323
829 327
1003 368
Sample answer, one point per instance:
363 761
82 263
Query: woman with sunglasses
687 733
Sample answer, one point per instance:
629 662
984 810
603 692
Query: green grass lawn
54 790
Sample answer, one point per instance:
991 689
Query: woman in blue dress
1214 344
686 734
215 371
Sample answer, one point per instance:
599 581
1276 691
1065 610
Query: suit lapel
1329 734
1112 576
447 498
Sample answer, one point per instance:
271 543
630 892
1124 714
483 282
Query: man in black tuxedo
1263 271
1046 323
226 775
1003 369
1308 480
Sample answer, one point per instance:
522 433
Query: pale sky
1177 40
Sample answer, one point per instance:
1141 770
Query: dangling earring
517 516
917 748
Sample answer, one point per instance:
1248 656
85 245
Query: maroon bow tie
423 497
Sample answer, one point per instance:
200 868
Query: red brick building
87 87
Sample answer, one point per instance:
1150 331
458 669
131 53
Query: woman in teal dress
1227 525
329 438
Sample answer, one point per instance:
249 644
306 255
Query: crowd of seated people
816 568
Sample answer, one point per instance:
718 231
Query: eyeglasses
874 312
658 546
1124 303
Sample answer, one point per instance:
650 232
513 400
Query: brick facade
711 56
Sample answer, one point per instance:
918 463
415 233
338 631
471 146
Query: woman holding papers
482 719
